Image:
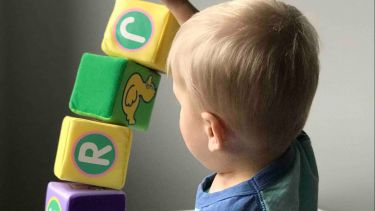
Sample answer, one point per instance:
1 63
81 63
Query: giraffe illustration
134 90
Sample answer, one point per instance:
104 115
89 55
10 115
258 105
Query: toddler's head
245 73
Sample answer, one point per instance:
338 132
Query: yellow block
140 31
93 153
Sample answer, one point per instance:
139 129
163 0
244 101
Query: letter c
128 35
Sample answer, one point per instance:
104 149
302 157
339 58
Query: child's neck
223 181
227 179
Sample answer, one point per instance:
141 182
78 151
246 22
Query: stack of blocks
117 93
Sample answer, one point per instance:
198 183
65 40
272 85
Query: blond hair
253 63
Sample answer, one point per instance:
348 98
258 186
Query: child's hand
181 9
170 3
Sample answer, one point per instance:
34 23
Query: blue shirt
289 183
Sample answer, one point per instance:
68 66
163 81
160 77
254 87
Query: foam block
141 31
114 90
63 196
93 153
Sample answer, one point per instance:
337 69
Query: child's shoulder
288 183
297 187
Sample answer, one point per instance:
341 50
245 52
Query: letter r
96 154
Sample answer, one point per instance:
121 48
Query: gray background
41 43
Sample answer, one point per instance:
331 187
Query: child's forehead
177 77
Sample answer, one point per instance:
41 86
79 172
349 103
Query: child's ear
215 131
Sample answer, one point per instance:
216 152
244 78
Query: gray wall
3 155
43 41
341 123
36 73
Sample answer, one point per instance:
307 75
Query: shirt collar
264 178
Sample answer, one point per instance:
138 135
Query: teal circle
142 26
100 141
53 205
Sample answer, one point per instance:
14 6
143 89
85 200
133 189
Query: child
245 73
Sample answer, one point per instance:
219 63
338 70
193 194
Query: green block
114 90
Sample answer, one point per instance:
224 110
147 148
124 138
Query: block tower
115 93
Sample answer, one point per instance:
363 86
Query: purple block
66 196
